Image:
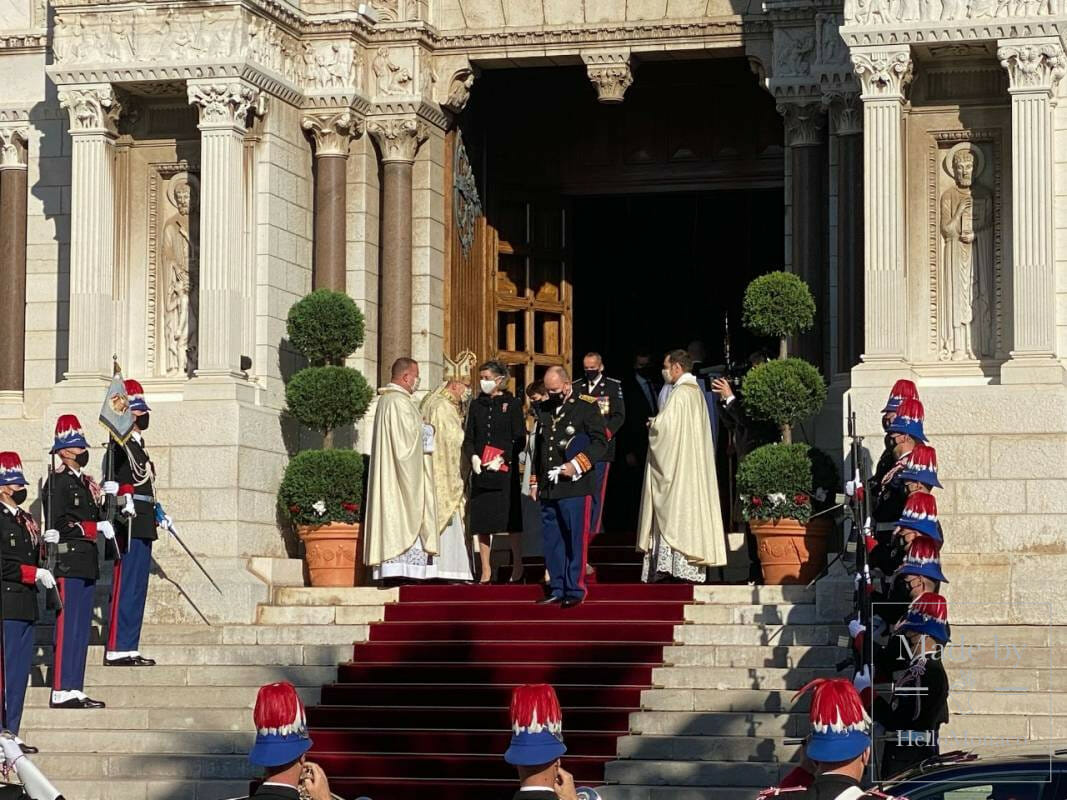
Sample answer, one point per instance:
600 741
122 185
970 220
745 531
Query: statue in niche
966 286
179 270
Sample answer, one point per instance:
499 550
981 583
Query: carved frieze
794 51
831 47
398 138
1033 66
390 77
887 12
883 73
92 108
332 131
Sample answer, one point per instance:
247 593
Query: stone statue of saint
178 259
967 264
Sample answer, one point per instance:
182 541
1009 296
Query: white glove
51 536
856 580
110 487
11 749
167 523
850 488
495 464
106 529
855 628
476 464
553 474
128 508
45 578
863 679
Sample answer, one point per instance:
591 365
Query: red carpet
421 711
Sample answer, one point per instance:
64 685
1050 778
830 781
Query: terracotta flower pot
791 551
332 553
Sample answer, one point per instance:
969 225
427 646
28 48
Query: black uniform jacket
890 496
633 438
911 710
612 405
21 557
498 421
72 510
134 470
573 418
825 787
535 794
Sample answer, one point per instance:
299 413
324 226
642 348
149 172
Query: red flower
800 499
757 502
294 509
352 508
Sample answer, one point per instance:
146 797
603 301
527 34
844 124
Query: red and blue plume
930 605
11 470
69 433
920 515
928 615
921 466
536 726
911 408
135 393
909 420
923 558
281 726
902 390
839 722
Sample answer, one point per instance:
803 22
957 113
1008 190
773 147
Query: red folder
489 453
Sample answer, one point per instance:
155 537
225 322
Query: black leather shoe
28 749
571 602
129 661
77 702
550 600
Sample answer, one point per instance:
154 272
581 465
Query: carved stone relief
963 174
794 51
173 275
831 47
459 90
873 12
390 78
466 204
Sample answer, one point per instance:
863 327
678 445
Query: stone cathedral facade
173 175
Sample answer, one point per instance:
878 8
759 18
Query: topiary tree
775 481
784 392
778 304
325 398
322 485
326 326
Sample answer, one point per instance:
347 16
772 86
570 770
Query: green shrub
775 481
322 486
778 304
324 398
784 392
325 326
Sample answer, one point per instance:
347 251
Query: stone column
610 73
399 139
224 110
94 111
883 74
333 132
805 128
846 124
13 184
1034 68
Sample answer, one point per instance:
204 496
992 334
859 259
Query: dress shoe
571 602
550 600
28 749
129 661
78 702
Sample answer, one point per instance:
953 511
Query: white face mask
667 376
487 386
415 384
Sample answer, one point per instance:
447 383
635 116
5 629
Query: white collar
599 377
396 387
686 377
9 509
136 436
535 789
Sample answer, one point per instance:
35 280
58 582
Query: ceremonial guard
537 744
573 438
919 703
74 517
902 390
129 465
891 491
607 393
20 553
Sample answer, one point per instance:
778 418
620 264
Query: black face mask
535 406
142 422
647 371
554 401
82 459
18 496
592 374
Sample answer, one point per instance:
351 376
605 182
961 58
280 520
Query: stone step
142 789
185 697
334 596
173 743
753 595
208 676
122 766
227 654
784 656
40 718
706 748
769 614
320 615
270 634
763 635
696 773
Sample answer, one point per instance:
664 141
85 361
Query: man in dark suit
537 745
640 389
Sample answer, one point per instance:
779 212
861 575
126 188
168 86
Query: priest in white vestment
401 522
442 409
680 526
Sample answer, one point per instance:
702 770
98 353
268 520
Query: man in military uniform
75 518
573 438
129 465
891 491
607 392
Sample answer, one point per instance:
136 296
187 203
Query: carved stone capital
883 74
332 131
610 73
398 138
846 112
805 123
1034 65
225 105
13 143
92 109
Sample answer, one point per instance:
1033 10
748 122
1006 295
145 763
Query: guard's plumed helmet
920 515
923 558
839 722
11 470
928 614
536 726
909 420
902 390
921 466
281 726
135 392
69 433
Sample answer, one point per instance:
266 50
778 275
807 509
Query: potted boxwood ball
321 490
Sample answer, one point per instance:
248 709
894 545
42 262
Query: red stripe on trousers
587 512
113 619
595 529
57 667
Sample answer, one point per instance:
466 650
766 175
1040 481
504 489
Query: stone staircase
182 730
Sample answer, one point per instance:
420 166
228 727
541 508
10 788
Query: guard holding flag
75 519
128 464
20 552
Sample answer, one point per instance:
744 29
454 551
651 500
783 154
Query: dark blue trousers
564 527
72 633
18 653
596 519
129 588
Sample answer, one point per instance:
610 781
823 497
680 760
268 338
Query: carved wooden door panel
530 284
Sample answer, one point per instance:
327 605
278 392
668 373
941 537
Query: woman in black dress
495 436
